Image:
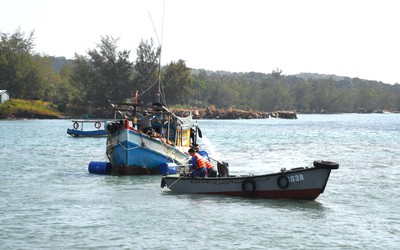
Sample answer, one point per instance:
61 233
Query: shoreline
201 114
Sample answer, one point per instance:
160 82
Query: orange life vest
201 162
208 164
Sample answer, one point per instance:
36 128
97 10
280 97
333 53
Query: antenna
155 31
161 93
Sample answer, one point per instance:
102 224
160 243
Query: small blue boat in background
88 128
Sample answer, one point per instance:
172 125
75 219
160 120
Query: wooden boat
88 128
297 183
132 151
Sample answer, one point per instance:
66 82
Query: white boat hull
301 183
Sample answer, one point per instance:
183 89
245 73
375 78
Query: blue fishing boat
149 139
134 149
88 128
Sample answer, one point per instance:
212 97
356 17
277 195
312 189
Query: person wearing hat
211 169
198 164
145 122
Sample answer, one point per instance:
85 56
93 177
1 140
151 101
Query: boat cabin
180 131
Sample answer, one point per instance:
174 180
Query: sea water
49 200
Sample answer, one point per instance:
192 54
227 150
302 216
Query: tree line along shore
85 84
37 109
28 109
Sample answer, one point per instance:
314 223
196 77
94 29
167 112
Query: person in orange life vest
211 170
198 164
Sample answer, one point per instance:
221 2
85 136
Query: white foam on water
210 148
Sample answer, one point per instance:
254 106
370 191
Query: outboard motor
223 169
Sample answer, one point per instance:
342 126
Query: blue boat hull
81 133
134 153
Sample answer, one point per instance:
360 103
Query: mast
161 95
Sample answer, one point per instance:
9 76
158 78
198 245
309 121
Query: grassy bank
20 109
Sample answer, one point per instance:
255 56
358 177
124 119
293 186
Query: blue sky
355 38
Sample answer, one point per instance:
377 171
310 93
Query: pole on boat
218 161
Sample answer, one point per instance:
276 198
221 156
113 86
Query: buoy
97 125
167 168
97 167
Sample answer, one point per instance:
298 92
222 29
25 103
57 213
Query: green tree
228 95
198 93
177 81
104 74
18 68
279 91
61 90
247 95
302 95
147 75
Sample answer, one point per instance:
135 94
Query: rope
173 183
143 92
128 148
168 152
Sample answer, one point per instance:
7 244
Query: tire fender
245 187
283 182
326 164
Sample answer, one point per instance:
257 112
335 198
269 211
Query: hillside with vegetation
86 83
28 109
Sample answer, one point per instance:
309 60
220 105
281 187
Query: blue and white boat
131 151
88 128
